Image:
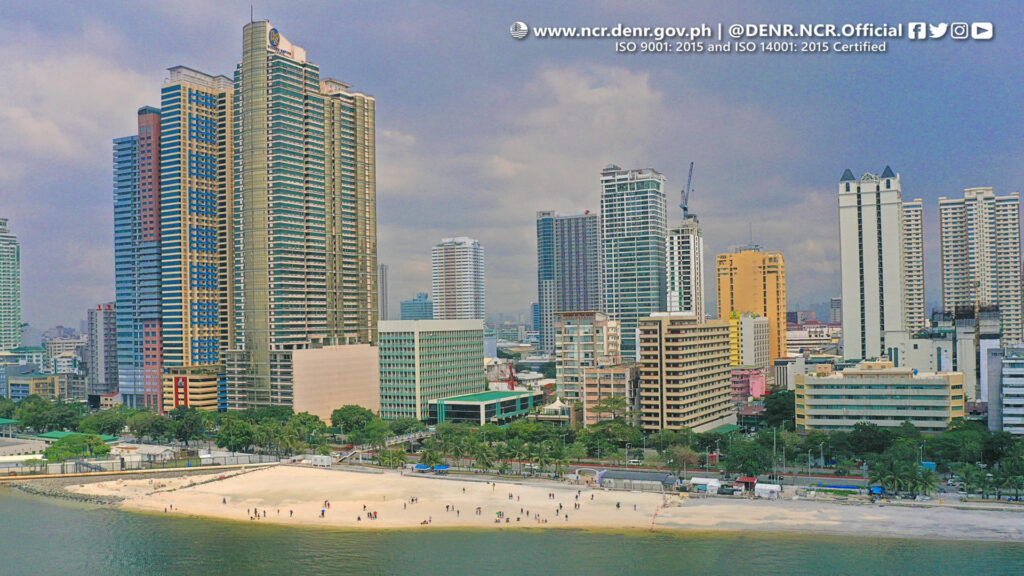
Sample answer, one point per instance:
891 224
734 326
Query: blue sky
478 131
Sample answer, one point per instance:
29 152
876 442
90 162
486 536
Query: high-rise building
634 227
913 263
350 185
981 261
101 356
10 288
749 340
457 269
684 256
582 340
568 267
835 310
418 308
382 289
872 258
426 360
684 373
751 280
303 221
195 252
1006 396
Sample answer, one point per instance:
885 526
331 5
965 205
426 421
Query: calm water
45 536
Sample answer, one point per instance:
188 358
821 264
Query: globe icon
519 30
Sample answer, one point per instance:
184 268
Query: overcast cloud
477 131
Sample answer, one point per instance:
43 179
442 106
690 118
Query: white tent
770 491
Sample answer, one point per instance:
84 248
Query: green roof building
496 407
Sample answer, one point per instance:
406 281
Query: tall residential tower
634 227
872 262
750 280
568 267
981 261
10 289
457 270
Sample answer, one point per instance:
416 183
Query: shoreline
415 503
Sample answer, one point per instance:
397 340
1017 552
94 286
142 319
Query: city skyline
78 76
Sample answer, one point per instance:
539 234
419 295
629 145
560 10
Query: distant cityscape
247 276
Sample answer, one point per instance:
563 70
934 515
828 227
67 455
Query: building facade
10 288
913 264
457 272
382 289
582 340
749 340
872 261
747 382
981 261
634 227
568 267
1006 404
424 360
684 374
878 393
835 310
303 220
418 308
750 280
684 258
195 257
101 355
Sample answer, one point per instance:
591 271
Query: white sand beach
297 496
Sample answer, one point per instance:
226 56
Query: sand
295 496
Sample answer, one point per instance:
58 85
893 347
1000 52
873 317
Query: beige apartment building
878 393
684 373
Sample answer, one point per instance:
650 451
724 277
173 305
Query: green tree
7 407
867 439
76 446
267 435
149 425
615 405
483 455
351 418
110 422
236 435
779 408
186 424
681 458
576 451
391 458
405 426
748 457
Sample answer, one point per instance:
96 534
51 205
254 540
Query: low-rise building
749 337
1006 389
608 381
196 387
495 407
49 386
879 393
747 382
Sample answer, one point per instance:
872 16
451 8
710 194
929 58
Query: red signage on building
180 391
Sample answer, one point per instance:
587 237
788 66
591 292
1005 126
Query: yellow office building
750 280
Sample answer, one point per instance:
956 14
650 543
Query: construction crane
686 194
512 380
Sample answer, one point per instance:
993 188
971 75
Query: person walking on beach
291 513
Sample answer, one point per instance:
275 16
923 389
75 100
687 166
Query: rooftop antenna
251 20
686 194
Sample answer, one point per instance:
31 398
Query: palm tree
542 454
391 458
484 455
517 450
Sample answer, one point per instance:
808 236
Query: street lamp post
821 449
809 467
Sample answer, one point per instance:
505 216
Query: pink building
747 381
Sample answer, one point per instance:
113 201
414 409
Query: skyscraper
195 252
633 231
835 310
457 269
684 257
101 352
981 261
304 216
10 289
568 267
382 289
913 262
872 257
750 280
